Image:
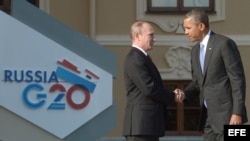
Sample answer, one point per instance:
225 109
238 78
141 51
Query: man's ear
137 36
202 26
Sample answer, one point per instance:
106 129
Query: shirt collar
143 51
205 40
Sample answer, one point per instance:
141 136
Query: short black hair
199 15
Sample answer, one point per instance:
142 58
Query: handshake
179 95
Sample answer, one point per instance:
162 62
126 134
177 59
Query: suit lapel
197 59
154 71
151 66
209 51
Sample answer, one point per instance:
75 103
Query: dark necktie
158 78
149 58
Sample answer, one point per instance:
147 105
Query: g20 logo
65 71
57 102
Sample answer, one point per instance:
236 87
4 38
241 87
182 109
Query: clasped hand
179 95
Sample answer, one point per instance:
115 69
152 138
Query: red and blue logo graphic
68 73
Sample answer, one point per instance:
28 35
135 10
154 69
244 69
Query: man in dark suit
145 112
217 77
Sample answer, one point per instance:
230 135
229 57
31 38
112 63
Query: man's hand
235 120
179 95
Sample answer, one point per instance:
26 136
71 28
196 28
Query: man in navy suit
217 77
147 99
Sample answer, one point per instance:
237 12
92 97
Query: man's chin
192 40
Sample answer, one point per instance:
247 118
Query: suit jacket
145 112
222 84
